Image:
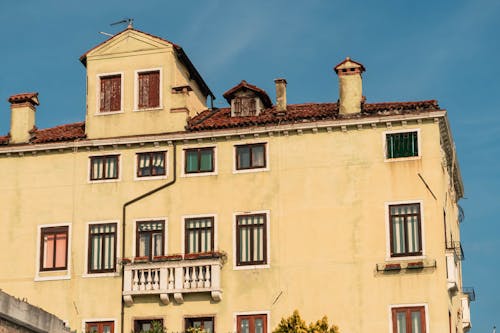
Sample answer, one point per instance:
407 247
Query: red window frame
408 311
99 325
110 98
251 321
55 232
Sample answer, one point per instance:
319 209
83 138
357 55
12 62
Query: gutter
124 213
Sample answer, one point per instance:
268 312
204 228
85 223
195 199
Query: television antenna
129 21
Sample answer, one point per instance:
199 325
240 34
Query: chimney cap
31 97
348 63
280 80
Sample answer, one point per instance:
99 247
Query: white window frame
268 240
98 320
407 305
388 230
155 150
52 275
86 274
89 168
136 89
252 142
198 174
183 230
148 219
406 130
98 94
251 313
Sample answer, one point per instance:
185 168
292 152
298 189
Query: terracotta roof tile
24 97
228 95
67 132
298 113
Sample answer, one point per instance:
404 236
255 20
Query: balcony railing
469 291
456 247
172 278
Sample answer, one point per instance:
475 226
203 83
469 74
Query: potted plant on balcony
392 267
125 261
141 259
415 265
170 257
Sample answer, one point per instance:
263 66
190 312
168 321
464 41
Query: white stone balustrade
172 278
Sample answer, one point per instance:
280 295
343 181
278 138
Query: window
150 238
251 240
151 164
102 248
199 160
148 89
146 325
110 96
54 248
104 167
199 234
408 320
252 324
245 106
403 144
205 323
405 230
100 327
251 156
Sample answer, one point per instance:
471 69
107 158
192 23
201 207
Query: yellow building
157 208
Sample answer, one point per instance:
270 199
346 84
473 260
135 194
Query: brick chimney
350 86
22 119
280 95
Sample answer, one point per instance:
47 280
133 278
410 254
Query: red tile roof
299 113
24 97
67 132
228 95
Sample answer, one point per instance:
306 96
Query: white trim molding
409 305
250 313
86 274
252 142
98 94
198 174
155 150
183 229
388 230
136 89
268 240
399 159
149 219
52 275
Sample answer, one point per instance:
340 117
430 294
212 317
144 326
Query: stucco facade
321 186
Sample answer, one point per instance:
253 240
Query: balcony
172 278
456 247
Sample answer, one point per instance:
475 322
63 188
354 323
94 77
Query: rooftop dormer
247 100
140 84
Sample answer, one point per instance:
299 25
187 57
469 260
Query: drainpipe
124 211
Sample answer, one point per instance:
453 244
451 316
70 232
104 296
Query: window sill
199 174
98 181
104 113
405 259
158 108
248 267
99 275
39 278
151 178
235 171
401 159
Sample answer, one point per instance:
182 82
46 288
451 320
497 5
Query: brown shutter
143 91
149 90
110 97
116 83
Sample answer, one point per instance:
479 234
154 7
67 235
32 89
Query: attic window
245 106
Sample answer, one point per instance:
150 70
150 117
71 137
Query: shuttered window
405 228
251 240
198 160
149 90
110 97
102 248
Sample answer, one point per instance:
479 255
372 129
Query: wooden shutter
110 98
149 90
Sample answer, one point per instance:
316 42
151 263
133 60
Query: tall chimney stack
22 119
350 86
280 95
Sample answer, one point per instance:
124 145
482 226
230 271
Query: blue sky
444 50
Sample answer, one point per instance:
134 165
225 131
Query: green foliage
295 324
195 330
156 327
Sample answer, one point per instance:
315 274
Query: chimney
280 95
350 86
22 119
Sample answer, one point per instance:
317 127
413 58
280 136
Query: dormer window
247 100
